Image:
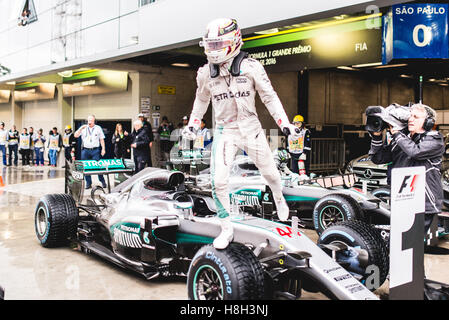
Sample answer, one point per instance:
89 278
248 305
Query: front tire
230 274
383 194
56 220
360 235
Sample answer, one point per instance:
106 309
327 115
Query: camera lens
374 124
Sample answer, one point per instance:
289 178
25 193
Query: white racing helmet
223 40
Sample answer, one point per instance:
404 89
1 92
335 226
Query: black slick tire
56 220
230 274
332 209
358 234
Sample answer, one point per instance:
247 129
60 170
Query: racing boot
226 235
282 208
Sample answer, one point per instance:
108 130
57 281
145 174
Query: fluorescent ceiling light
367 65
391 66
346 68
66 74
182 65
274 30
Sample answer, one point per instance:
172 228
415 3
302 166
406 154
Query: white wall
5 114
111 106
41 114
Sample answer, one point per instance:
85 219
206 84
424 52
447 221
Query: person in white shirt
3 141
93 146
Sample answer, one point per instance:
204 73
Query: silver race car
153 223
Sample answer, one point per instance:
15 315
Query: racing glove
189 133
292 130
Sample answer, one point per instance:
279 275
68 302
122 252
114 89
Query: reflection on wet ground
15 175
29 271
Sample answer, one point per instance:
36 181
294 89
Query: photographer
413 143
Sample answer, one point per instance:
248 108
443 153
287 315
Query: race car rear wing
76 172
347 180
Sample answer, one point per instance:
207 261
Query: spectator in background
69 144
93 144
185 121
54 146
24 147
203 136
3 141
184 144
13 145
39 147
31 133
121 142
164 131
141 146
300 147
176 136
149 130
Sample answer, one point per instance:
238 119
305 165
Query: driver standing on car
231 81
420 146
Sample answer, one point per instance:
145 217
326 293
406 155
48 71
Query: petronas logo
28 14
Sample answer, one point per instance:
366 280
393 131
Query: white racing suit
237 124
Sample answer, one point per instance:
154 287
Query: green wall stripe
301 35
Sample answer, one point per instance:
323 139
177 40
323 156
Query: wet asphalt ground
31 272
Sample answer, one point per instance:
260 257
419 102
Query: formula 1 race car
152 224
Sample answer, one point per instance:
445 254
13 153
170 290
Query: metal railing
327 155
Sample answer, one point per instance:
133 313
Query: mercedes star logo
368 173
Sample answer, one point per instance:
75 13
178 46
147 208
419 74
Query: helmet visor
215 44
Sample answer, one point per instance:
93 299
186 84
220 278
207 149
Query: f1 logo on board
407 188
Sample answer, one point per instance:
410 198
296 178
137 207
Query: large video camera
379 118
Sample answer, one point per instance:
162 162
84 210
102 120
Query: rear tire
56 220
332 209
358 234
234 273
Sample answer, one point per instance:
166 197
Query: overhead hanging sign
352 43
95 82
416 31
34 91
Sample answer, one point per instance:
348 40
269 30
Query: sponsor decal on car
102 164
246 197
127 235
